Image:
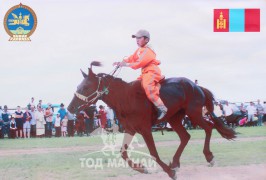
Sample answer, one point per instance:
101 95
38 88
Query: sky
71 34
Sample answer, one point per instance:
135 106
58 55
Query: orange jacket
144 58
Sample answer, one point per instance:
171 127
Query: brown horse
137 114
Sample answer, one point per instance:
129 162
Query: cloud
69 36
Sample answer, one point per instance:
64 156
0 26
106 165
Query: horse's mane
110 78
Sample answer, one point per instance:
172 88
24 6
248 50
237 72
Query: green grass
96 140
66 165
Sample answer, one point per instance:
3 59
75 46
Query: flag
236 20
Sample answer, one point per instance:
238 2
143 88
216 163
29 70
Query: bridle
99 93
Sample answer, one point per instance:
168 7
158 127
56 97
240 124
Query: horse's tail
225 131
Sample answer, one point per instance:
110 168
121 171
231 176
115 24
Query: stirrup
161 114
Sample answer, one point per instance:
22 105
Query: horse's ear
96 63
83 73
91 74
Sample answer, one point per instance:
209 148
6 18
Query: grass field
59 158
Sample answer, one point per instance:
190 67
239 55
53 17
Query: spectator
26 126
264 113
13 128
97 121
32 103
243 110
228 111
6 121
260 113
64 126
1 112
40 103
196 82
49 119
1 128
40 122
62 111
251 109
70 124
33 121
94 121
110 117
217 110
57 125
102 114
87 123
19 121
80 123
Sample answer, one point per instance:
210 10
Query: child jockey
145 58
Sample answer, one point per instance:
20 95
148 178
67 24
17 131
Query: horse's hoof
212 163
176 169
174 176
145 170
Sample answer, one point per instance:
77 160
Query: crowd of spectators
37 121
253 111
42 121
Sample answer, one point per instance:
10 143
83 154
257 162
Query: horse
137 114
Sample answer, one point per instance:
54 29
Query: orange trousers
150 83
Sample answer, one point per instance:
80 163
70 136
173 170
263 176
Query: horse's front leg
126 142
148 138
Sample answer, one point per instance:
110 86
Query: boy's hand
121 64
116 64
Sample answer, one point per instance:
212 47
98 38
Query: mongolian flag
236 20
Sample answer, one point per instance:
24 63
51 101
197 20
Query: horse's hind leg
208 131
176 123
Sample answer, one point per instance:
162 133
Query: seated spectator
57 125
13 128
64 126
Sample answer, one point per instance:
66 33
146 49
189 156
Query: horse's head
88 92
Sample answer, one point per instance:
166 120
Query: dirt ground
249 172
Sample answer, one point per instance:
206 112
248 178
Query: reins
99 93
